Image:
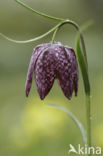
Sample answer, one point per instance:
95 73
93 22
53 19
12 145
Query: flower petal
67 71
64 73
71 55
45 72
34 57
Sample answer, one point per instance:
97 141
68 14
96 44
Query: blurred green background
28 126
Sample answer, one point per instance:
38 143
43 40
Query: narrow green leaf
76 121
37 12
82 29
83 67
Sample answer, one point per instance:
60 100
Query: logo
84 150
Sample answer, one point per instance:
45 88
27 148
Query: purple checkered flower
53 61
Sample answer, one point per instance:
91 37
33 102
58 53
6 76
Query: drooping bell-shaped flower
53 61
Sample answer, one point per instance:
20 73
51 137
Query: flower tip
42 97
27 93
75 93
69 98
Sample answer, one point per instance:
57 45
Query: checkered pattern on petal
45 72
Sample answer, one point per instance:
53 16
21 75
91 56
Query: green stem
80 34
33 39
88 113
37 12
54 35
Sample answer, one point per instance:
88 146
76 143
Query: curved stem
33 39
37 12
80 33
58 19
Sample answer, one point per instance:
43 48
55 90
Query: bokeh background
27 125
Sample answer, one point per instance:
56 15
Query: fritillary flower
52 61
